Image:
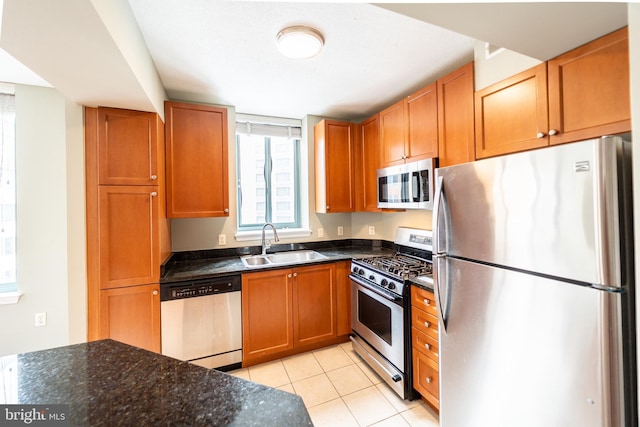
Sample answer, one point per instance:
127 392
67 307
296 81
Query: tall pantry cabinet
127 230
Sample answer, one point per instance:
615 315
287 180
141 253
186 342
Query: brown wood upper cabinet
511 115
409 128
589 90
197 160
334 164
366 164
581 94
128 147
456 132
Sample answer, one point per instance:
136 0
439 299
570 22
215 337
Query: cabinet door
422 124
343 291
589 90
426 378
334 151
128 242
456 134
314 304
128 147
368 162
197 169
132 315
267 326
511 115
393 135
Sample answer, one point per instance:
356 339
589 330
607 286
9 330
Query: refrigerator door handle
439 280
440 223
440 230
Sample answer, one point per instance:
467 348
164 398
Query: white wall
500 66
51 243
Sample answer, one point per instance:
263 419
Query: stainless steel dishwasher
201 321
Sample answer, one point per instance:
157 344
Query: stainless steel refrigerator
533 270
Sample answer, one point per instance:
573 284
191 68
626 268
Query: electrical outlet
41 319
372 230
340 230
222 239
320 232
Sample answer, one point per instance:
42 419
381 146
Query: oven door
378 320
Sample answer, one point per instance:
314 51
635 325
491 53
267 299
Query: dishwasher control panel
200 288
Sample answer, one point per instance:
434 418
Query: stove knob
392 286
355 270
384 283
361 272
372 277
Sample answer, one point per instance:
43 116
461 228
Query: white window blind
268 126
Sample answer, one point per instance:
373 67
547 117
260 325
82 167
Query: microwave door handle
415 186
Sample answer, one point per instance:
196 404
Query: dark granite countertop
107 383
192 265
422 283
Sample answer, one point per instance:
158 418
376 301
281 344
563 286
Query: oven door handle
394 377
374 290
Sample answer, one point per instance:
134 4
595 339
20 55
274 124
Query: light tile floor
339 389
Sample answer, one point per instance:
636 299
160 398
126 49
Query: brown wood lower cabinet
424 331
287 311
132 315
267 320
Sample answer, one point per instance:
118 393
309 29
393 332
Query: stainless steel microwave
407 186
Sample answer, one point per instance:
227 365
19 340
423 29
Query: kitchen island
110 383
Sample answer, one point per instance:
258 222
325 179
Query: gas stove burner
401 266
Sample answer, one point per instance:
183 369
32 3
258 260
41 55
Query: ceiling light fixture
299 42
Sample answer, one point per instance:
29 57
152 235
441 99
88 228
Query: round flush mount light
299 42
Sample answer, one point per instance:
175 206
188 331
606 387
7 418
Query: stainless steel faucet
267 245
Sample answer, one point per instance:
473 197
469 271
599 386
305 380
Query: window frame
269 179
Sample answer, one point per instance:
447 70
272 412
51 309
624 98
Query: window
268 159
7 193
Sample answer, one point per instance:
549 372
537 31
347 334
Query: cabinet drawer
425 343
425 322
425 378
424 300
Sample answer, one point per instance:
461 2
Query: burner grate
401 266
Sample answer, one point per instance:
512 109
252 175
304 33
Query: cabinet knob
226 210
155 292
427 324
540 135
429 380
289 275
427 302
295 274
428 346
154 177
328 207
553 132
154 194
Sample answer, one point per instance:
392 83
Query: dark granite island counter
107 383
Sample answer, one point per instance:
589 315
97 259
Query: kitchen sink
281 258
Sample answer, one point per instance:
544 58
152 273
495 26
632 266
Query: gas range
391 272
380 307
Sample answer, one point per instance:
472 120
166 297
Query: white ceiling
224 52
118 52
